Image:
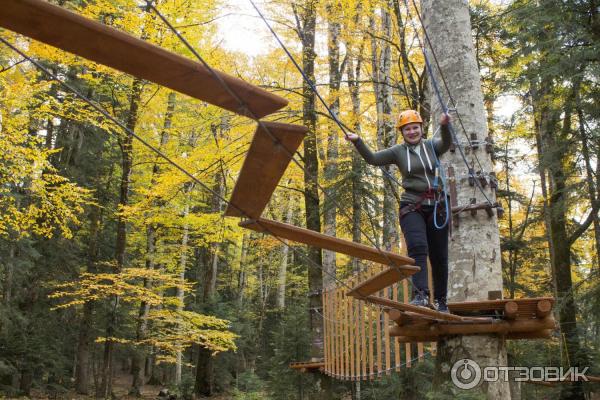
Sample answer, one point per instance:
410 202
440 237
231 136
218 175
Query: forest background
117 271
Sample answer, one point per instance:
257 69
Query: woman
416 162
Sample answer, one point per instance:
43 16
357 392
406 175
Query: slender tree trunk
138 359
331 167
381 62
121 239
411 90
475 264
282 273
180 292
242 273
353 69
82 377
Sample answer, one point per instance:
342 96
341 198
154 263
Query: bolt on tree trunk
474 253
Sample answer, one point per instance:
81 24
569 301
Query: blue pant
423 239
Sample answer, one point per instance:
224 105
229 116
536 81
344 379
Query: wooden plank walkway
269 155
316 239
103 44
382 280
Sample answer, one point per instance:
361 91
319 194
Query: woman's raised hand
444 119
352 137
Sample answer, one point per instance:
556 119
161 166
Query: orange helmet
408 117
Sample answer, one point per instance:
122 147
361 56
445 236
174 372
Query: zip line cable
245 108
342 126
151 147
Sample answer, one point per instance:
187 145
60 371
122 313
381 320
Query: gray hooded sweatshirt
416 162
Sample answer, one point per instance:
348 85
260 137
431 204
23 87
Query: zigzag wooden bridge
369 329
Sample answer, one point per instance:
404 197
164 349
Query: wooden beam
103 44
510 309
320 240
543 308
503 327
527 307
268 157
543 334
381 280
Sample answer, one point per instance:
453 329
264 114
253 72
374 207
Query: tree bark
474 253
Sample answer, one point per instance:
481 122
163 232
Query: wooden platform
90 39
382 280
320 240
536 307
308 366
511 318
269 155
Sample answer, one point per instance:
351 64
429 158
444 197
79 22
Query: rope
364 376
342 126
151 6
121 125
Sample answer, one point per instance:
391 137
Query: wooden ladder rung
263 167
320 240
103 44
382 280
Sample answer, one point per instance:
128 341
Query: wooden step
90 39
415 309
322 241
263 167
382 280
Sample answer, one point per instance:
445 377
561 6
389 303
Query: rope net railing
357 343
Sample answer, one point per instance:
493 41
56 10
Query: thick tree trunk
311 176
104 390
475 265
556 143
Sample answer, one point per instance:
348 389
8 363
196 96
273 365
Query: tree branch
586 224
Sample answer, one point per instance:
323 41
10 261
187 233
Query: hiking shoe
441 306
420 299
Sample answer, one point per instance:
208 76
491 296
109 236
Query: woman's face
412 133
